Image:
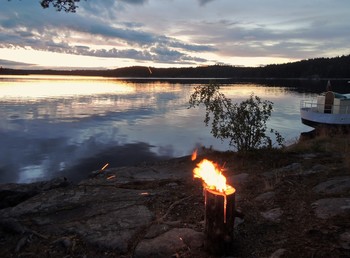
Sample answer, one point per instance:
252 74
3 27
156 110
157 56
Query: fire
214 181
194 155
212 177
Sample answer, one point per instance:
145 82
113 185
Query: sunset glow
54 87
155 33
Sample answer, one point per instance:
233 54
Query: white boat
330 108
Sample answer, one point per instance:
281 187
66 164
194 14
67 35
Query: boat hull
310 117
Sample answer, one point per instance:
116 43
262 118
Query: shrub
244 124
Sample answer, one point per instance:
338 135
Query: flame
194 155
211 175
213 180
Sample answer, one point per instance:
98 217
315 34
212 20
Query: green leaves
244 124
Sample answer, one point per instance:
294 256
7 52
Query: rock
52 184
10 198
114 230
13 226
173 185
64 242
21 243
279 253
156 230
13 194
105 216
237 180
330 207
308 156
344 240
114 214
292 169
273 215
318 168
107 210
169 243
124 175
238 221
265 197
335 185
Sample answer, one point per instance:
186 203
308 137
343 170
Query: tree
66 5
244 124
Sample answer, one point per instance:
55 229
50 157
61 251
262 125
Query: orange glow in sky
158 33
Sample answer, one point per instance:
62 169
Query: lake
66 125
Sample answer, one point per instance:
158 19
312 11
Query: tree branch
68 6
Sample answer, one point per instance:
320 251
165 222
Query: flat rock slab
108 210
331 207
335 185
12 194
116 229
125 175
104 216
169 243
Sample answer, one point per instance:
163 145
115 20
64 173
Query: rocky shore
295 204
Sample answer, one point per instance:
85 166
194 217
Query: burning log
220 209
219 220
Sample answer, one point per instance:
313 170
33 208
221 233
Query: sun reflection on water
55 86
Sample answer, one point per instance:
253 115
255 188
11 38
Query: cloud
56 35
137 2
107 8
13 64
159 53
159 30
204 2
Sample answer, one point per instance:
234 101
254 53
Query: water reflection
52 126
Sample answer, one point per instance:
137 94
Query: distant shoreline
187 78
312 69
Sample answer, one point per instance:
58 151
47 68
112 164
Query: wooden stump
219 220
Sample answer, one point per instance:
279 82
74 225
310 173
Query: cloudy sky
172 33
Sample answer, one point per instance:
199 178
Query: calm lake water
55 125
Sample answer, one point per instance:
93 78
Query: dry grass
328 141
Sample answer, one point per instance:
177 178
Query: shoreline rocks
157 211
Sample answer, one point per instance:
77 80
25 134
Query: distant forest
318 68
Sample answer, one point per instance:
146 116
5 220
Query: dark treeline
336 67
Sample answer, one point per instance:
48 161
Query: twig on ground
161 219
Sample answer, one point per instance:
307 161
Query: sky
107 34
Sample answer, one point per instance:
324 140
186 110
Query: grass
326 141
331 143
